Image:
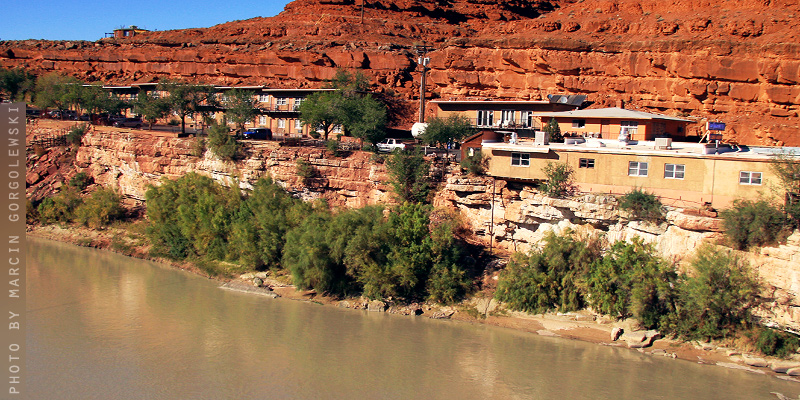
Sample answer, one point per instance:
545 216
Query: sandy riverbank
583 326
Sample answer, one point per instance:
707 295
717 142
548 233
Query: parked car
33 113
62 114
258 133
129 123
390 145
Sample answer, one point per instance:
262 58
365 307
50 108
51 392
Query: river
104 326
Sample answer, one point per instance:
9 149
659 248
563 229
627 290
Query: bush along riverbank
412 259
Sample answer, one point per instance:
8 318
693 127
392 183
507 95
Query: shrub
409 172
80 181
60 208
221 142
101 208
76 133
173 122
641 205
716 300
476 163
560 180
549 278
198 147
304 169
631 281
333 147
774 343
752 223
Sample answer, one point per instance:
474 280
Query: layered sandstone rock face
735 61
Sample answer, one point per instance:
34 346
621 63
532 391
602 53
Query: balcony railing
508 125
280 109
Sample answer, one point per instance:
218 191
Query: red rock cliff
732 60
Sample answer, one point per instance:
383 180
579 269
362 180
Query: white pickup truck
389 145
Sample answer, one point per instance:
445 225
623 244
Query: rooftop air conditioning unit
541 138
663 143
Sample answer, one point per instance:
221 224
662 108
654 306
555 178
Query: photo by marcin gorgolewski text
12 229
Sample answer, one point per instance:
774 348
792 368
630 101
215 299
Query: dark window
578 123
636 168
586 163
520 160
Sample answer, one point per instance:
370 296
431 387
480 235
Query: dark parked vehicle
258 133
129 123
63 114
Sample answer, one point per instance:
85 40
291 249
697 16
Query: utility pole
424 62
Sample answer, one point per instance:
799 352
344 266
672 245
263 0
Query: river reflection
103 326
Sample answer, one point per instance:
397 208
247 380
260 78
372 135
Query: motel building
682 174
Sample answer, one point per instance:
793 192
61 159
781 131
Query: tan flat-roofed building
682 174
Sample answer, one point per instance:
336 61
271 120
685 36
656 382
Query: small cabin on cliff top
131 31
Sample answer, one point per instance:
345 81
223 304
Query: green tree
716 299
240 107
365 118
560 180
410 172
187 99
554 131
750 223
786 166
441 131
151 107
101 208
52 91
322 110
222 143
476 163
631 280
16 83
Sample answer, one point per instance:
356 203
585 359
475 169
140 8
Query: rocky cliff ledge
508 216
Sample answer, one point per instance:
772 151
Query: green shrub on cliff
59 208
716 299
101 208
753 223
549 278
222 143
631 281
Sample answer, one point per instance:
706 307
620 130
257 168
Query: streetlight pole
424 62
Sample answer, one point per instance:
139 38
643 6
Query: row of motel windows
280 101
507 117
638 168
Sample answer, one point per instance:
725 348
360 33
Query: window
264 98
508 117
336 129
298 125
749 178
674 171
578 123
586 163
527 119
628 128
485 117
297 102
280 101
636 168
520 160
281 123
262 120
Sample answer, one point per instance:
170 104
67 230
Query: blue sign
715 126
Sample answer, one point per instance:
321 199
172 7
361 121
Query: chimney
620 103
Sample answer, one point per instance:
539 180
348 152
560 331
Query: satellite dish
418 128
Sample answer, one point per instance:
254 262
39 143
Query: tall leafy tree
53 91
16 83
186 99
151 107
441 131
240 107
360 114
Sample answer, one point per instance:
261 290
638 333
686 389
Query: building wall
646 130
713 180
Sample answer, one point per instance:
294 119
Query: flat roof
613 112
684 149
439 101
